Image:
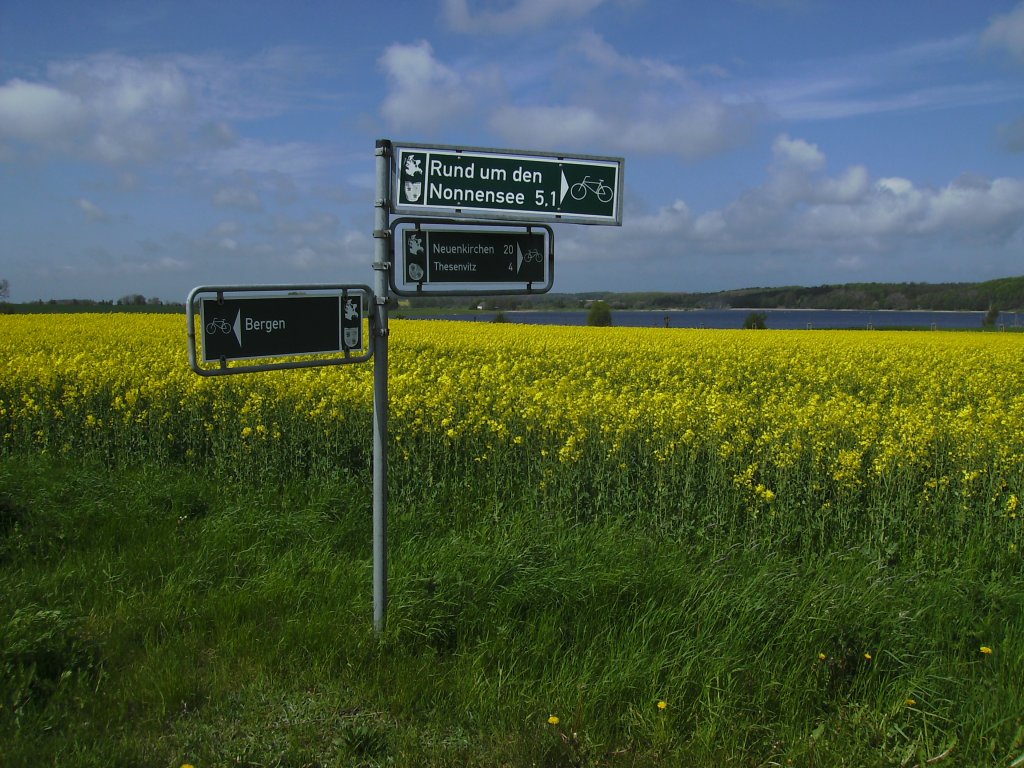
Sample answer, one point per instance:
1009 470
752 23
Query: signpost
507 184
267 323
518 191
485 255
468 256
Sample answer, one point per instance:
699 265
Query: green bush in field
599 314
755 321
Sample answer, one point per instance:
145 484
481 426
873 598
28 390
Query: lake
779 319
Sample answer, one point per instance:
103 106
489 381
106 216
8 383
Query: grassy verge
154 617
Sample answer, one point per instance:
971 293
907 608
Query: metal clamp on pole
380 304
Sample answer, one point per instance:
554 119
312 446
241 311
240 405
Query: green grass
152 616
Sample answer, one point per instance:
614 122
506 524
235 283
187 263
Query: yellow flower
986 650
822 656
867 656
553 720
910 702
663 705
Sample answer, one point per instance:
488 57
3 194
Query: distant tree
896 300
132 299
756 320
600 314
500 318
991 317
5 290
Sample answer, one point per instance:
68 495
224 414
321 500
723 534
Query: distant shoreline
1005 295
735 318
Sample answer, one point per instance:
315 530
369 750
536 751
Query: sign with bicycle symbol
600 190
269 322
470 256
507 184
482 254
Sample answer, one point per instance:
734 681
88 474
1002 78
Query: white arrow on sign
237 327
519 258
565 187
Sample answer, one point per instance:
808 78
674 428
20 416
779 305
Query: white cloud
317 253
896 80
226 228
91 210
700 127
801 210
798 154
616 103
136 109
517 17
305 258
600 53
977 209
110 108
548 126
129 111
249 156
313 224
423 92
804 224
653 107
260 86
155 266
119 88
237 196
848 187
38 112
1007 32
897 186
852 263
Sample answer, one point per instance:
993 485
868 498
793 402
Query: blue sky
152 147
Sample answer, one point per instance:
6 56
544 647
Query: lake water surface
780 319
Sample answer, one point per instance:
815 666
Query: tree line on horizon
1005 295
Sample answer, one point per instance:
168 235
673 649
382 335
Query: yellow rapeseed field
770 415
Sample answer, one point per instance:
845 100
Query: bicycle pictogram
580 189
218 324
533 255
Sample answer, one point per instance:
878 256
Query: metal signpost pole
380 386
511 185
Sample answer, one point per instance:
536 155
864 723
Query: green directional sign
278 326
507 184
473 256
